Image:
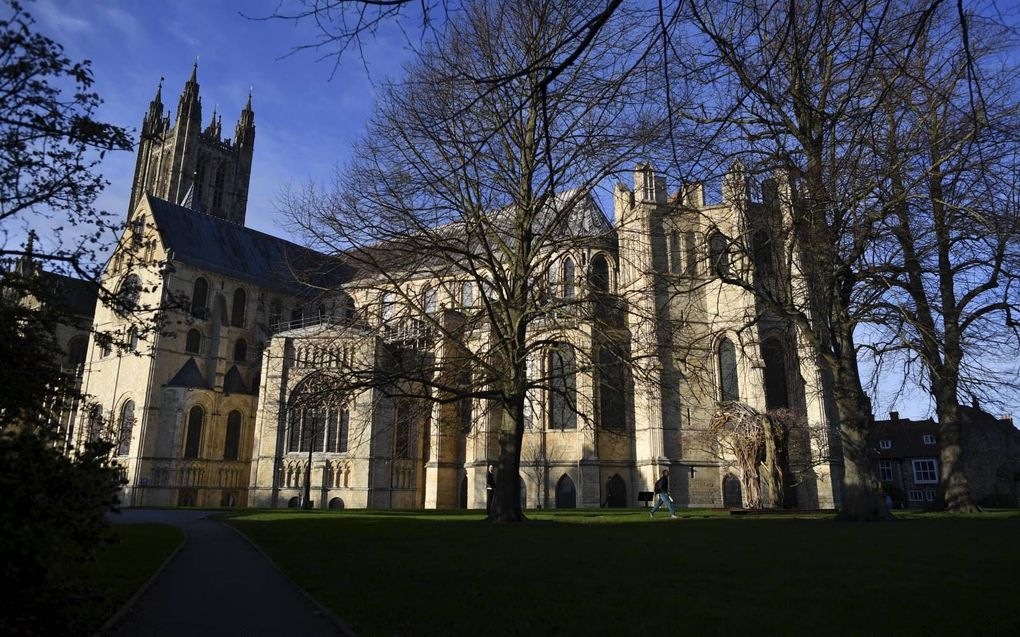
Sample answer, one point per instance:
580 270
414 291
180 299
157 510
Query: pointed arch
562 387
193 438
239 308
193 342
200 298
569 277
729 383
566 494
232 441
127 426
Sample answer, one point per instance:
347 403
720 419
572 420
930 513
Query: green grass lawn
127 563
607 573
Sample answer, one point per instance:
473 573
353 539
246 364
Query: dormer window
885 444
929 439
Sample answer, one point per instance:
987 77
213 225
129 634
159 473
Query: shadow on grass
617 572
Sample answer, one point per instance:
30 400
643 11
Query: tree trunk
954 490
506 497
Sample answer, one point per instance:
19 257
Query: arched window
566 495
467 294
388 306
733 497
465 405
763 261
240 351
430 301
317 416
76 349
130 290
232 442
403 438
562 387
599 274
127 426
193 439
221 180
568 278
719 254
674 252
200 298
774 357
691 254
237 311
612 412
193 342
728 382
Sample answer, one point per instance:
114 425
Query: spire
244 132
213 129
155 112
26 265
189 105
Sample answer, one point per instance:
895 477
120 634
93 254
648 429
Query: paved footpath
217 584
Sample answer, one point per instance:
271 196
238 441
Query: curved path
217 584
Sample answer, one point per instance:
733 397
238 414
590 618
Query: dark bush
52 520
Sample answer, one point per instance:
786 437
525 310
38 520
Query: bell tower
191 166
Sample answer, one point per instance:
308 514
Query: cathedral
223 405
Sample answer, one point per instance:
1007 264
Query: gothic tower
190 166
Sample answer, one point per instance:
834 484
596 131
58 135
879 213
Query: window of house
925 471
914 495
127 425
885 470
238 308
929 439
232 441
929 495
193 342
467 296
194 435
885 444
200 297
562 387
729 386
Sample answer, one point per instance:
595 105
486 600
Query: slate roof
189 376
74 296
213 244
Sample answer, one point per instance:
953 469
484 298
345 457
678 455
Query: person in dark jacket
662 495
490 487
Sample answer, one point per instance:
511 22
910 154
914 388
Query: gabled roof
210 243
189 376
233 383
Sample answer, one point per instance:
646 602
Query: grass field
124 565
601 572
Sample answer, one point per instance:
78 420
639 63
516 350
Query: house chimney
894 416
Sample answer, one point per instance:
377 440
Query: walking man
662 495
490 487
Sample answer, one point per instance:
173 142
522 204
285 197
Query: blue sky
305 121
306 116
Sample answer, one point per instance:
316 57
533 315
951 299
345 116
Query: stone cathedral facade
223 405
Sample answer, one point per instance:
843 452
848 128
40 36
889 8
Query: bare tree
477 195
950 181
